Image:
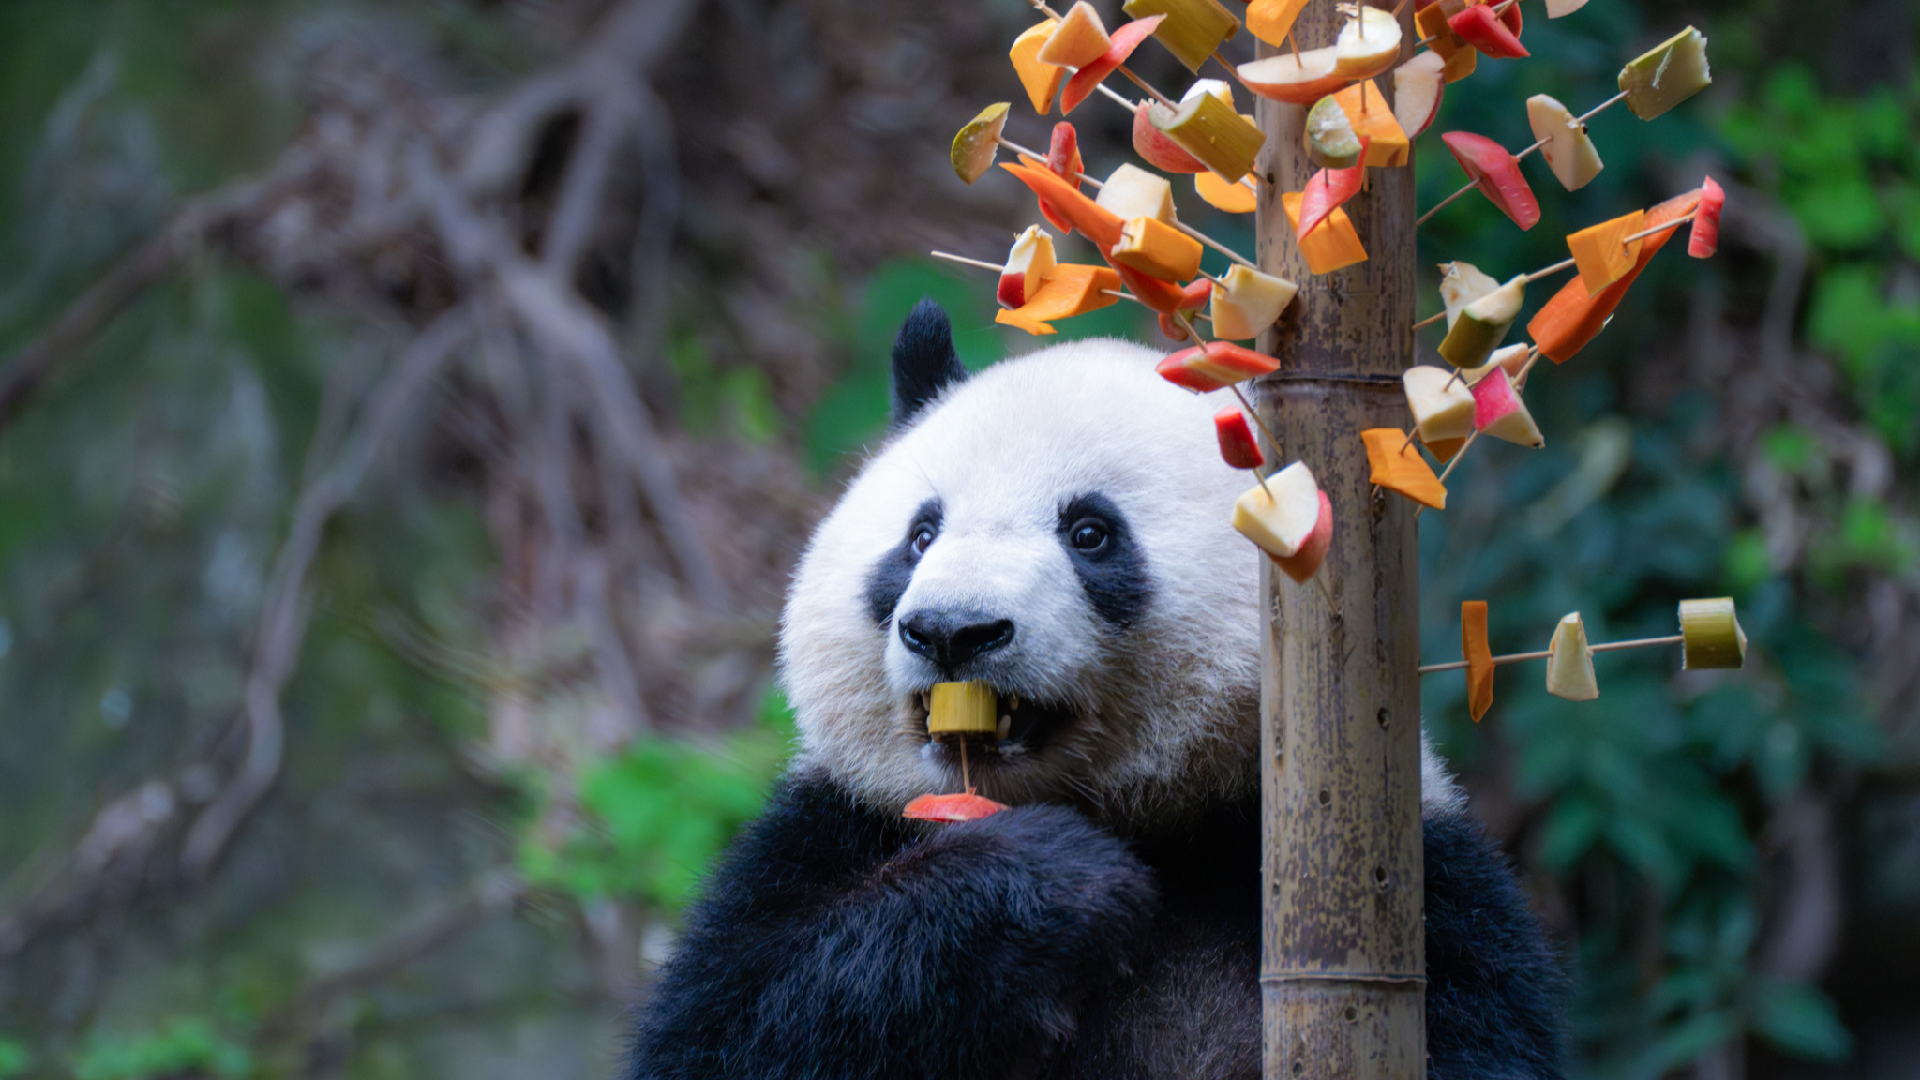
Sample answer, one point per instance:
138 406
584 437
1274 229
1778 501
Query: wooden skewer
1674 224
1515 658
1430 320
964 261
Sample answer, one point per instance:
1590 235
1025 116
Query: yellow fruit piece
1042 80
1570 662
1221 195
1603 253
1331 245
970 708
1157 249
1078 39
1244 302
1193 29
1072 289
1271 20
976 144
1397 466
1461 57
1711 634
1372 118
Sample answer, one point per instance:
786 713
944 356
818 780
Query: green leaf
1800 1020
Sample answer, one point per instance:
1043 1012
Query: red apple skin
1493 402
1159 151
1013 290
1439 95
1305 563
1704 238
1199 291
1238 447
1497 174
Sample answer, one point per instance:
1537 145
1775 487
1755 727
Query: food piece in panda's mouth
963 708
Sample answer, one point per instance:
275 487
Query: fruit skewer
1515 658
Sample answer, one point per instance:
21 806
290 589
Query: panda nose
951 638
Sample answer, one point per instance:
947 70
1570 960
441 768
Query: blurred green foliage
185 1046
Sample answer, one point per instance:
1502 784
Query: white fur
1170 703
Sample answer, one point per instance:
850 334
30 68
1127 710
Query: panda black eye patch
888 579
1111 567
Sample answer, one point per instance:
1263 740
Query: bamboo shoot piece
1711 636
1667 74
963 708
1213 132
1193 28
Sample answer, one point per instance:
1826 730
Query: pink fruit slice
1028 264
1496 173
1063 154
1238 447
1327 190
1125 40
1485 31
1704 239
1499 412
957 807
1305 563
1209 367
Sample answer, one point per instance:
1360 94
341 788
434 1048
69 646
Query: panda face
1056 527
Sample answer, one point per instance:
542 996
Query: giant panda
1057 526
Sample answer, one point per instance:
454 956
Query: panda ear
924 362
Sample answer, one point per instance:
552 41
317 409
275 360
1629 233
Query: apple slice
1603 253
1397 466
1299 80
1193 29
1248 301
1210 130
1368 44
1667 74
1558 8
1158 250
1326 191
978 142
1154 147
1711 636
1078 39
1479 27
1238 447
1569 151
1704 239
1072 289
1271 20
1497 174
962 806
1028 265
1333 245
1483 325
1431 20
1478 655
1120 48
1461 284
1279 515
1513 358
1041 80
1418 86
1570 662
1305 563
1132 192
1063 154
1442 406
1499 412
1205 368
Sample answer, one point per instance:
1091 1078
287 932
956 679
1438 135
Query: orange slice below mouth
965 806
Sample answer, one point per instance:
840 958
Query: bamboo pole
1342 943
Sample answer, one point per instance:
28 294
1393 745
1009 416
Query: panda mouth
1026 725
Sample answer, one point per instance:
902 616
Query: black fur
924 362
888 579
838 942
1115 576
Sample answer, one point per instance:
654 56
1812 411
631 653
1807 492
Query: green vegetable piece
1711 634
1483 325
978 142
1209 129
1193 28
1667 74
1330 138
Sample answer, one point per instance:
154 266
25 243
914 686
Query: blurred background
409 413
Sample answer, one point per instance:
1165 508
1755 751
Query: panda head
1057 527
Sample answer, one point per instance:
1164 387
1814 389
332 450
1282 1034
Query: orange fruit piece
1574 316
1223 196
1330 246
1372 119
1072 289
1397 466
1603 253
1479 657
1041 80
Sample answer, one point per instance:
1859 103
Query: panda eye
921 540
1088 534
